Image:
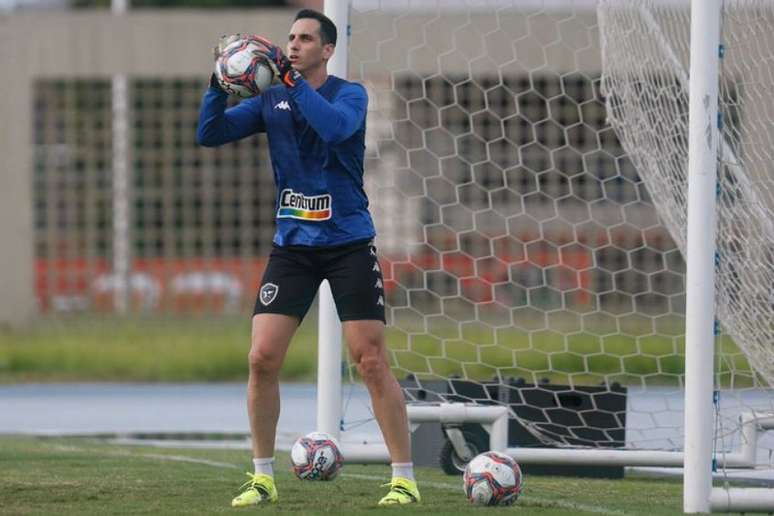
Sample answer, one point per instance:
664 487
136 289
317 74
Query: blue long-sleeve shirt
316 142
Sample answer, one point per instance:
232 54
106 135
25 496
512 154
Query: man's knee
372 366
367 349
270 339
263 361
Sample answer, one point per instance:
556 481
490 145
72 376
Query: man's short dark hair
327 27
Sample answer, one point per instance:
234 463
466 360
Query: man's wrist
291 77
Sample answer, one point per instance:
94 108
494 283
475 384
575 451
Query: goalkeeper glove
282 66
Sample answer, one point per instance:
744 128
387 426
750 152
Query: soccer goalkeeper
315 124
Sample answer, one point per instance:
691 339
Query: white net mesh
525 262
645 57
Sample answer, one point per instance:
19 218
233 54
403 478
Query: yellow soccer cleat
402 491
258 490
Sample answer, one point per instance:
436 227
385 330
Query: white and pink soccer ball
316 456
492 478
242 68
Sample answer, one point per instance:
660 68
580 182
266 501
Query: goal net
527 166
647 83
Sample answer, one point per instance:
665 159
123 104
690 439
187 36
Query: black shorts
293 275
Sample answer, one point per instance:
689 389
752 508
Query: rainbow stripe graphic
294 213
296 205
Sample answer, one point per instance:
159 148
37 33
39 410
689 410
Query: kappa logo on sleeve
282 104
295 205
268 293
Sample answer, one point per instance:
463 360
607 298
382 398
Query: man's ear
328 50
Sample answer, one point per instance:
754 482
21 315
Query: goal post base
737 499
494 419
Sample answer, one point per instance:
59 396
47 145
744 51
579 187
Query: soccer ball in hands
242 69
492 478
316 456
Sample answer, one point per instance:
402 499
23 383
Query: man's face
305 49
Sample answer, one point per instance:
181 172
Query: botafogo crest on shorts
268 293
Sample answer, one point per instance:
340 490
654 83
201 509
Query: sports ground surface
86 476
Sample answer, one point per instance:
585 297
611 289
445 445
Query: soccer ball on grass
316 456
242 69
492 478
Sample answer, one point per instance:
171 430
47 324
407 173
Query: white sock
403 470
264 466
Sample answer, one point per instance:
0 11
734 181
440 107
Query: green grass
152 349
80 476
215 349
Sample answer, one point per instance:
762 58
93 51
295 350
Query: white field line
436 485
156 456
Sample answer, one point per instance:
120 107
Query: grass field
215 349
141 349
81 476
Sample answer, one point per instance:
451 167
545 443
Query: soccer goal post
528 168
329 357
727 237
700 256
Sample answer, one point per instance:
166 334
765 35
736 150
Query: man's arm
333 121
218 125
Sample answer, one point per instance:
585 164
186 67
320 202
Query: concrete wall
90 44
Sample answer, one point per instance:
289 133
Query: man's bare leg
270 340
367 348
269 343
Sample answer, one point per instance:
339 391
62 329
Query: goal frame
698 495
700 259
